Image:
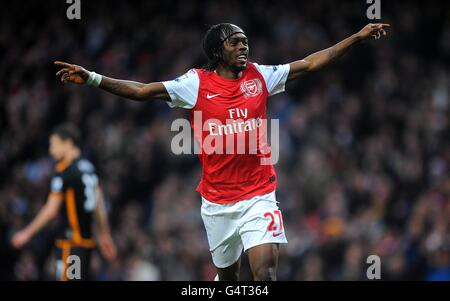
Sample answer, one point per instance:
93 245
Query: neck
72 155
227 73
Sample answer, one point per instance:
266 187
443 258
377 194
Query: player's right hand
72 73
20 239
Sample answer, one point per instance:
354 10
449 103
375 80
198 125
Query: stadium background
364 148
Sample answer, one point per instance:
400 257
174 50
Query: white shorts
232 228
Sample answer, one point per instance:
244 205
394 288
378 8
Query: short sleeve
57 184
275 77
183 90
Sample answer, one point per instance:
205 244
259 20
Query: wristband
94 79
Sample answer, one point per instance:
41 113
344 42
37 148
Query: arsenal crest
251 88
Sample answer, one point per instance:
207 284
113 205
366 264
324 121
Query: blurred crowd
364 143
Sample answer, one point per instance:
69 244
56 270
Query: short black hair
213 42
68 131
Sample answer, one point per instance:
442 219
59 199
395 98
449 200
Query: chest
243 99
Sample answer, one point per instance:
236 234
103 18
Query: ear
218 53
68 143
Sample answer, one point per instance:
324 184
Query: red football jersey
228 118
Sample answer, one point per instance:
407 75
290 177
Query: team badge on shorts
251 88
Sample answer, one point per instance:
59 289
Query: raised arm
321 58
71 73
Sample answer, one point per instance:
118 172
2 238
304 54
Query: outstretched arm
322 58
71 73
46 214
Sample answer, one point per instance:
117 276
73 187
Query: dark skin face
235 56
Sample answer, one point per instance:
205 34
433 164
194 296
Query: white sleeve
56 184
183 90
275 77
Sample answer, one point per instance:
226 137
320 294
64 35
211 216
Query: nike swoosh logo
211 96
277 234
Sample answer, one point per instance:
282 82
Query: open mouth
242 58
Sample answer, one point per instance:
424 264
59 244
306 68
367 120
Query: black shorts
73 262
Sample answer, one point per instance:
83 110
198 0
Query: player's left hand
107 246
20 239
373 31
